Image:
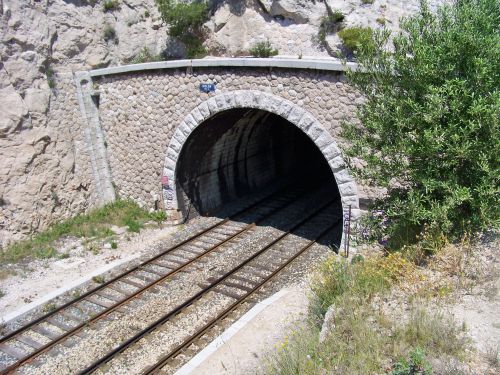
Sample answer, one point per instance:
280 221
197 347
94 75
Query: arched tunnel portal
239 151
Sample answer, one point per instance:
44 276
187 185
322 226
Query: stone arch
259 100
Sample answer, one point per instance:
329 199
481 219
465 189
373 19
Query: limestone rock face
12 109
300 11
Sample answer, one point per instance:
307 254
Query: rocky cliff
44 172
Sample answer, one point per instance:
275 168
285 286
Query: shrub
185 20
367 1
114 245
263 49
109 33
430 131
354 38
110 5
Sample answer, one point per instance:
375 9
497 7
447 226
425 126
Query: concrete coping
334 65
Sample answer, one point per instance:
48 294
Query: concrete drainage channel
148 318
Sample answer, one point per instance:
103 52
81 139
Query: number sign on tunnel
207 87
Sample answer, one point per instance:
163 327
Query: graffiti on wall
168 192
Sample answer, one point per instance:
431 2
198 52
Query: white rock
37 100
12 110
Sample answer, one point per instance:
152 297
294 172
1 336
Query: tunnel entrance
240 151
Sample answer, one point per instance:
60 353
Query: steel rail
179 348
120 348
112 308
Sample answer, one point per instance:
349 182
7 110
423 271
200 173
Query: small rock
119 230
107 245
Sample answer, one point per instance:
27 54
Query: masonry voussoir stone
203 108
331 151
336 163
305 122
197 115
352 201
324 140
285 108
347 189
296 115
343 176
212 106
189 123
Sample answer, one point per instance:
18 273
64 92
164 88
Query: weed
99 279
133 225
329 24
158 216
2 293
146 14
50 74
435 333
492 358
109 34
355 37
93 247
46 252
145 56
185 20
49 307
367 1
5 273
114 245
63 256
381 21
110 5
263 49
76 293
415 364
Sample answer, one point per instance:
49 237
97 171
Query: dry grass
362 338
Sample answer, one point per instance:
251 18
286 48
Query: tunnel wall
141 111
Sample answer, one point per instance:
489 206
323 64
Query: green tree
185 20
430 121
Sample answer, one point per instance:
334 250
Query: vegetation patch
329 24
110 5
362 338
95 224
109 34
355 38
185 20
145 56
430 131
263 49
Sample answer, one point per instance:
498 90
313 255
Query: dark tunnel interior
242 151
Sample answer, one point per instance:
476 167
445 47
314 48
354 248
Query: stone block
347 189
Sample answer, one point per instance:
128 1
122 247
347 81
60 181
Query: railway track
70 318
239 284
118 295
